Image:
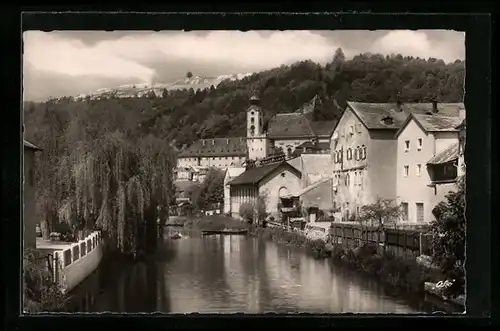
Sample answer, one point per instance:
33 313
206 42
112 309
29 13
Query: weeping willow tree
112 181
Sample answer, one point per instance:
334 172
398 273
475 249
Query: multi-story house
364 151
427 162
29 219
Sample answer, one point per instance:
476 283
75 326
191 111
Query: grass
400 273
213 223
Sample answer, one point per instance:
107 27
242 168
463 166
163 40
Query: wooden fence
402 242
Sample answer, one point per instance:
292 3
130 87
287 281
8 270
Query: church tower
256 137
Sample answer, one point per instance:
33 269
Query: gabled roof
447 155
212 147
432 123
289 125
371 114
254 175
29 145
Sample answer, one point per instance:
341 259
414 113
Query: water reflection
227 274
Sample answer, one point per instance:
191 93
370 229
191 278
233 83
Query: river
228 274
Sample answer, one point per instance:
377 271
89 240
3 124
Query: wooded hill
182 116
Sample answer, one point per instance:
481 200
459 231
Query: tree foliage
449 231
381 212
210 192
183 116
98 170
253 211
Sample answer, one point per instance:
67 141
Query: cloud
90 59
416 43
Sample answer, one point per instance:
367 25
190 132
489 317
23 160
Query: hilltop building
364 150
285 133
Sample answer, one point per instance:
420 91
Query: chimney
434 106
399 104
227 141
213 142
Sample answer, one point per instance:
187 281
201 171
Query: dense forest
182 116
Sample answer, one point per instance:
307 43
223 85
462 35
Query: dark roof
323 128
310 144
235 146
29 145
289 125
433 123
255 175
445 156
371 114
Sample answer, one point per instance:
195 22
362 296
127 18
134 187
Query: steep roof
235 146
29 145
447 155
255 175
323 129
289 125
433 123
371 114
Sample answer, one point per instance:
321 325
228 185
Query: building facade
270 181
427 162
29 189
231 173
364 151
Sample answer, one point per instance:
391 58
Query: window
351 130
361 178
407 145
349 154
359 128
406 170
363 152
419 144
420 212
252 120
347 180
404 205
418 170
355 178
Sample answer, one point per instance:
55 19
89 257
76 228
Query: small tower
256 137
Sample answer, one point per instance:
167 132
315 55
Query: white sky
89 59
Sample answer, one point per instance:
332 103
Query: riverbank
400 274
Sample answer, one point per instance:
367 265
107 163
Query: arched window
349 154
283 191
289 151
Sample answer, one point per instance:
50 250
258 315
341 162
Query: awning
287 209
448 155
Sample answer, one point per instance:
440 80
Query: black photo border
480 180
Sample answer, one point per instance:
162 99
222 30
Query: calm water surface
228 274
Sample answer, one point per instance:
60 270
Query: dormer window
387 120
